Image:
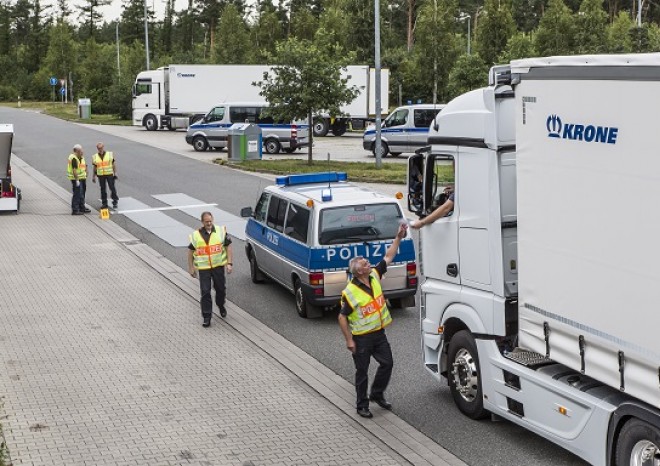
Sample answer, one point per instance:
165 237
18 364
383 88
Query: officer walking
210 252
106 169
362 319
77 172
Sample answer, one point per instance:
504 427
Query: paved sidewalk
103 361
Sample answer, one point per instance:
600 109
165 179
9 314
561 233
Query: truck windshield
355 224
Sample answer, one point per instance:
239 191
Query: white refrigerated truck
175 96
542 288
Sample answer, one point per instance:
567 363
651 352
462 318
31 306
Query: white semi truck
175 96
542 288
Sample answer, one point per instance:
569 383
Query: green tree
470 72
556 32
619 39
90 16
519 46
591 34
496 26
132 20
96 71
61 59
304 81
265 33
233 37
303 24
527 13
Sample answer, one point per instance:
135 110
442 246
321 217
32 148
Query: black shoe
76 212
382 402
114 205
86 210
104 207
207 322
364 412
223 312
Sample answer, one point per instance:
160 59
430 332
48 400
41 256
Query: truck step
528 358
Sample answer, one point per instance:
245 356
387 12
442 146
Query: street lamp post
465 16
639 13
378 143
117 39
146 33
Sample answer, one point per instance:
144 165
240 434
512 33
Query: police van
213 130
406 129
306 228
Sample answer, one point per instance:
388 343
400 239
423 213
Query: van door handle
452 270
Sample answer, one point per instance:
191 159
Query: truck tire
638 444
464 375
339 128
303 308
272 146
321 127
200 144
255 273
151 123
384 149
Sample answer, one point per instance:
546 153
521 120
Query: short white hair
77 147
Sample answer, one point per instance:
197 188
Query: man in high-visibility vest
76 171
210 253
362 320
106 169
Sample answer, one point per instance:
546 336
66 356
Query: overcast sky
113 11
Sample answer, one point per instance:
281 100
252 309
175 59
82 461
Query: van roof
421 106
243 104
343 193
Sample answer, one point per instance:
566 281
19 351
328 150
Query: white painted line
152 209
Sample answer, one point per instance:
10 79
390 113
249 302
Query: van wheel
384 149
638 444
255 273
272 146
151 123
200 144
303 307
464 375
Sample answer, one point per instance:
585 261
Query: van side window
260 210
424 118
276 213
216 114
244 114
297 223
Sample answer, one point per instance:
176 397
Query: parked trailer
540 291
10 195
175 96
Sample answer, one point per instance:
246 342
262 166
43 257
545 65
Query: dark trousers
372 344
110 180
215 277
78 198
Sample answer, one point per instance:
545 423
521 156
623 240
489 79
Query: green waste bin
84 109
244 142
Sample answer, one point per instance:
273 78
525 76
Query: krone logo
553 123
580 132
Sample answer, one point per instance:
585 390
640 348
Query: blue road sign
63 91
53 81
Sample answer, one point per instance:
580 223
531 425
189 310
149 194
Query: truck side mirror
247 212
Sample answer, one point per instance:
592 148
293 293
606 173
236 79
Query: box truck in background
176 96
540 295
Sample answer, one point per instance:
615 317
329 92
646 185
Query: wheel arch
625 412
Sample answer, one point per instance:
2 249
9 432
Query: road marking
194 207
150 209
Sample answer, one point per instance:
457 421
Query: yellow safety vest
211 255
104 165
369 313
82 168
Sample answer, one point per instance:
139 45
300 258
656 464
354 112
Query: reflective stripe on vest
369 314
82 168
211 255
104 165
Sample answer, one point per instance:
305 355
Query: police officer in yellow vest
210 253
362 319
106 169
76 170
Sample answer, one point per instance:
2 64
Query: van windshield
355 224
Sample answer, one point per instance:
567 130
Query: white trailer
540 290
10 195
175 96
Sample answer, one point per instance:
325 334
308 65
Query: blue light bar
310 178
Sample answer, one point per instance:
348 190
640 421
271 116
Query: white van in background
406 129
213 129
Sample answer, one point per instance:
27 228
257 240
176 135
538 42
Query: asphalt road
156 166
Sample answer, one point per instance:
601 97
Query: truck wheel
638 444
255 273
464 375
272 146
321 127
384 149
339 128
200 144
151 123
